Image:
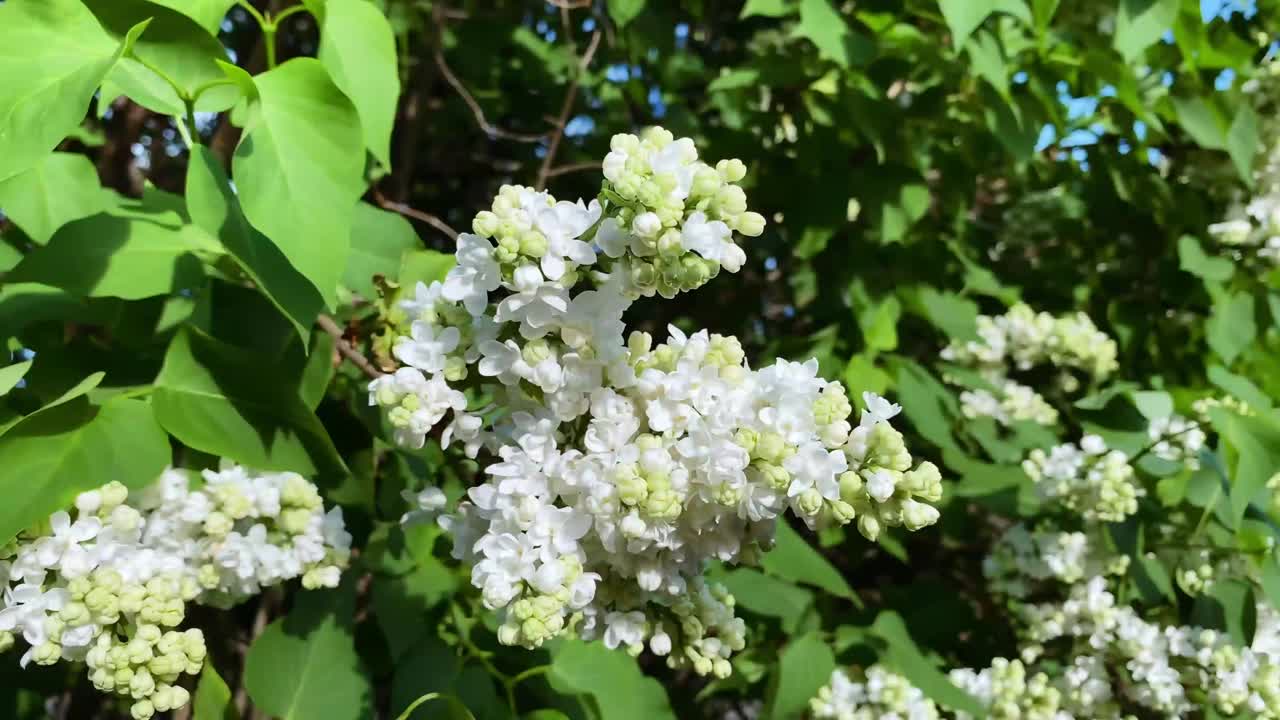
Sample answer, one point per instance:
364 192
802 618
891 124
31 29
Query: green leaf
621 690
927 404
379 239
1139 23
215 208
178 46
60 188
862 375
766 595
9 376
735 79
142 85
81 388
53 56
1153 404
319 370
299 169
954 315
399 603
430 669
1193 259
305 666
768 8
120 253
1243 141
359 49
1202 121
624 11
987 60
423 266
213 698
225 401
1231 327
795 559
964 16
879 323
805 665
1256 442
903 655
49 457
822 24
208 13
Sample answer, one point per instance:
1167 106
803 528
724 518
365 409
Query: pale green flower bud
46 654
747 438
485 224
114 494
536 350
217 524
917 515
869 526
732 200
770 447
774 475
732 170
631 488
455 368
142 710
841 512
706 182
533 244
810 502
295 521
751 224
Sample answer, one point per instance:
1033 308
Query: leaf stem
163 76
269 39
253 12
201 89
291 10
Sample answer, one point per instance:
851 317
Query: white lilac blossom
1177 439
1166 664
1018 341
110 589
880 694
1011 402
243 531
1024 560
1088 479
621 468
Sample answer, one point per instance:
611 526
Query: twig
470 100
565 110
266 607
572 168
345 349
426 217
570 4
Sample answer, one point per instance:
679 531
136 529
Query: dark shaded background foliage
1056 154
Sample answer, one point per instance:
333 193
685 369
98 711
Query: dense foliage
316 403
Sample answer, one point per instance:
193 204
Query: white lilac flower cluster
1253 223
1167 665
242 531
1089 479
1018 341
1176 439
1008 403
1026 559
111 588
880 694
623 467
1008 690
